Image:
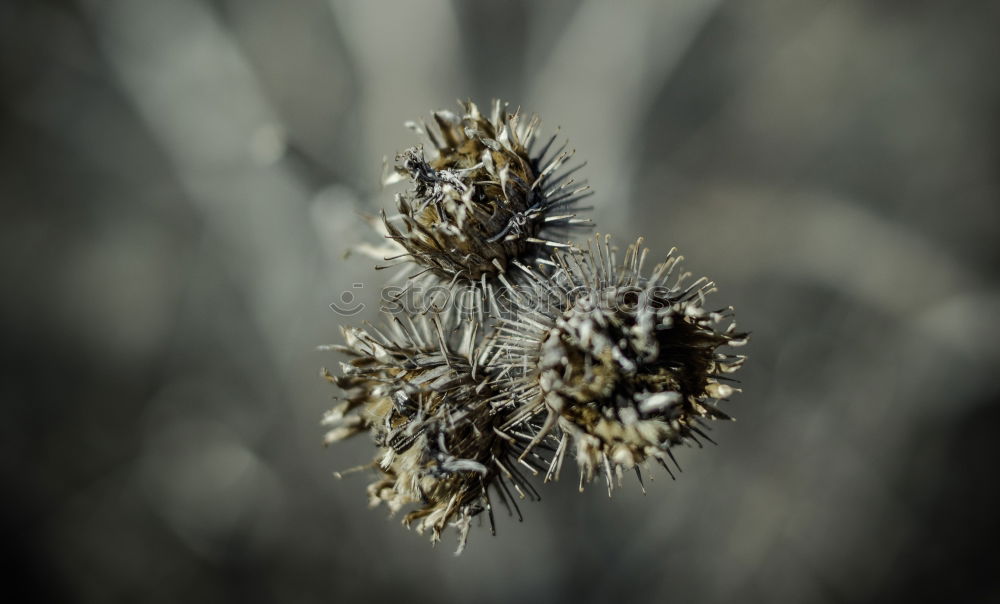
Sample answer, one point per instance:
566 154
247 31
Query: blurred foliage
183 178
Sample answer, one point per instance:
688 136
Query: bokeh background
181 180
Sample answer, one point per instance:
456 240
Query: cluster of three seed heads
589 357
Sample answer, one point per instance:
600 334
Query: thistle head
421 392
623 366
483 199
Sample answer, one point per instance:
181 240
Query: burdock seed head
422 392
622 366
482 198
583 354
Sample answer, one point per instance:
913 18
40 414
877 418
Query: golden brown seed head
483 200
625 365
439 451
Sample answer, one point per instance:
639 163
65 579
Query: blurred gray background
181 180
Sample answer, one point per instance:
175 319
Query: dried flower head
423 394
483 199
582 354
624 366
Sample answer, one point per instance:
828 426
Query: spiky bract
423 394
623 366
483 199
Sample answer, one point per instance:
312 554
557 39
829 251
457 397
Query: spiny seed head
625 366
421 393
583 354
483 199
